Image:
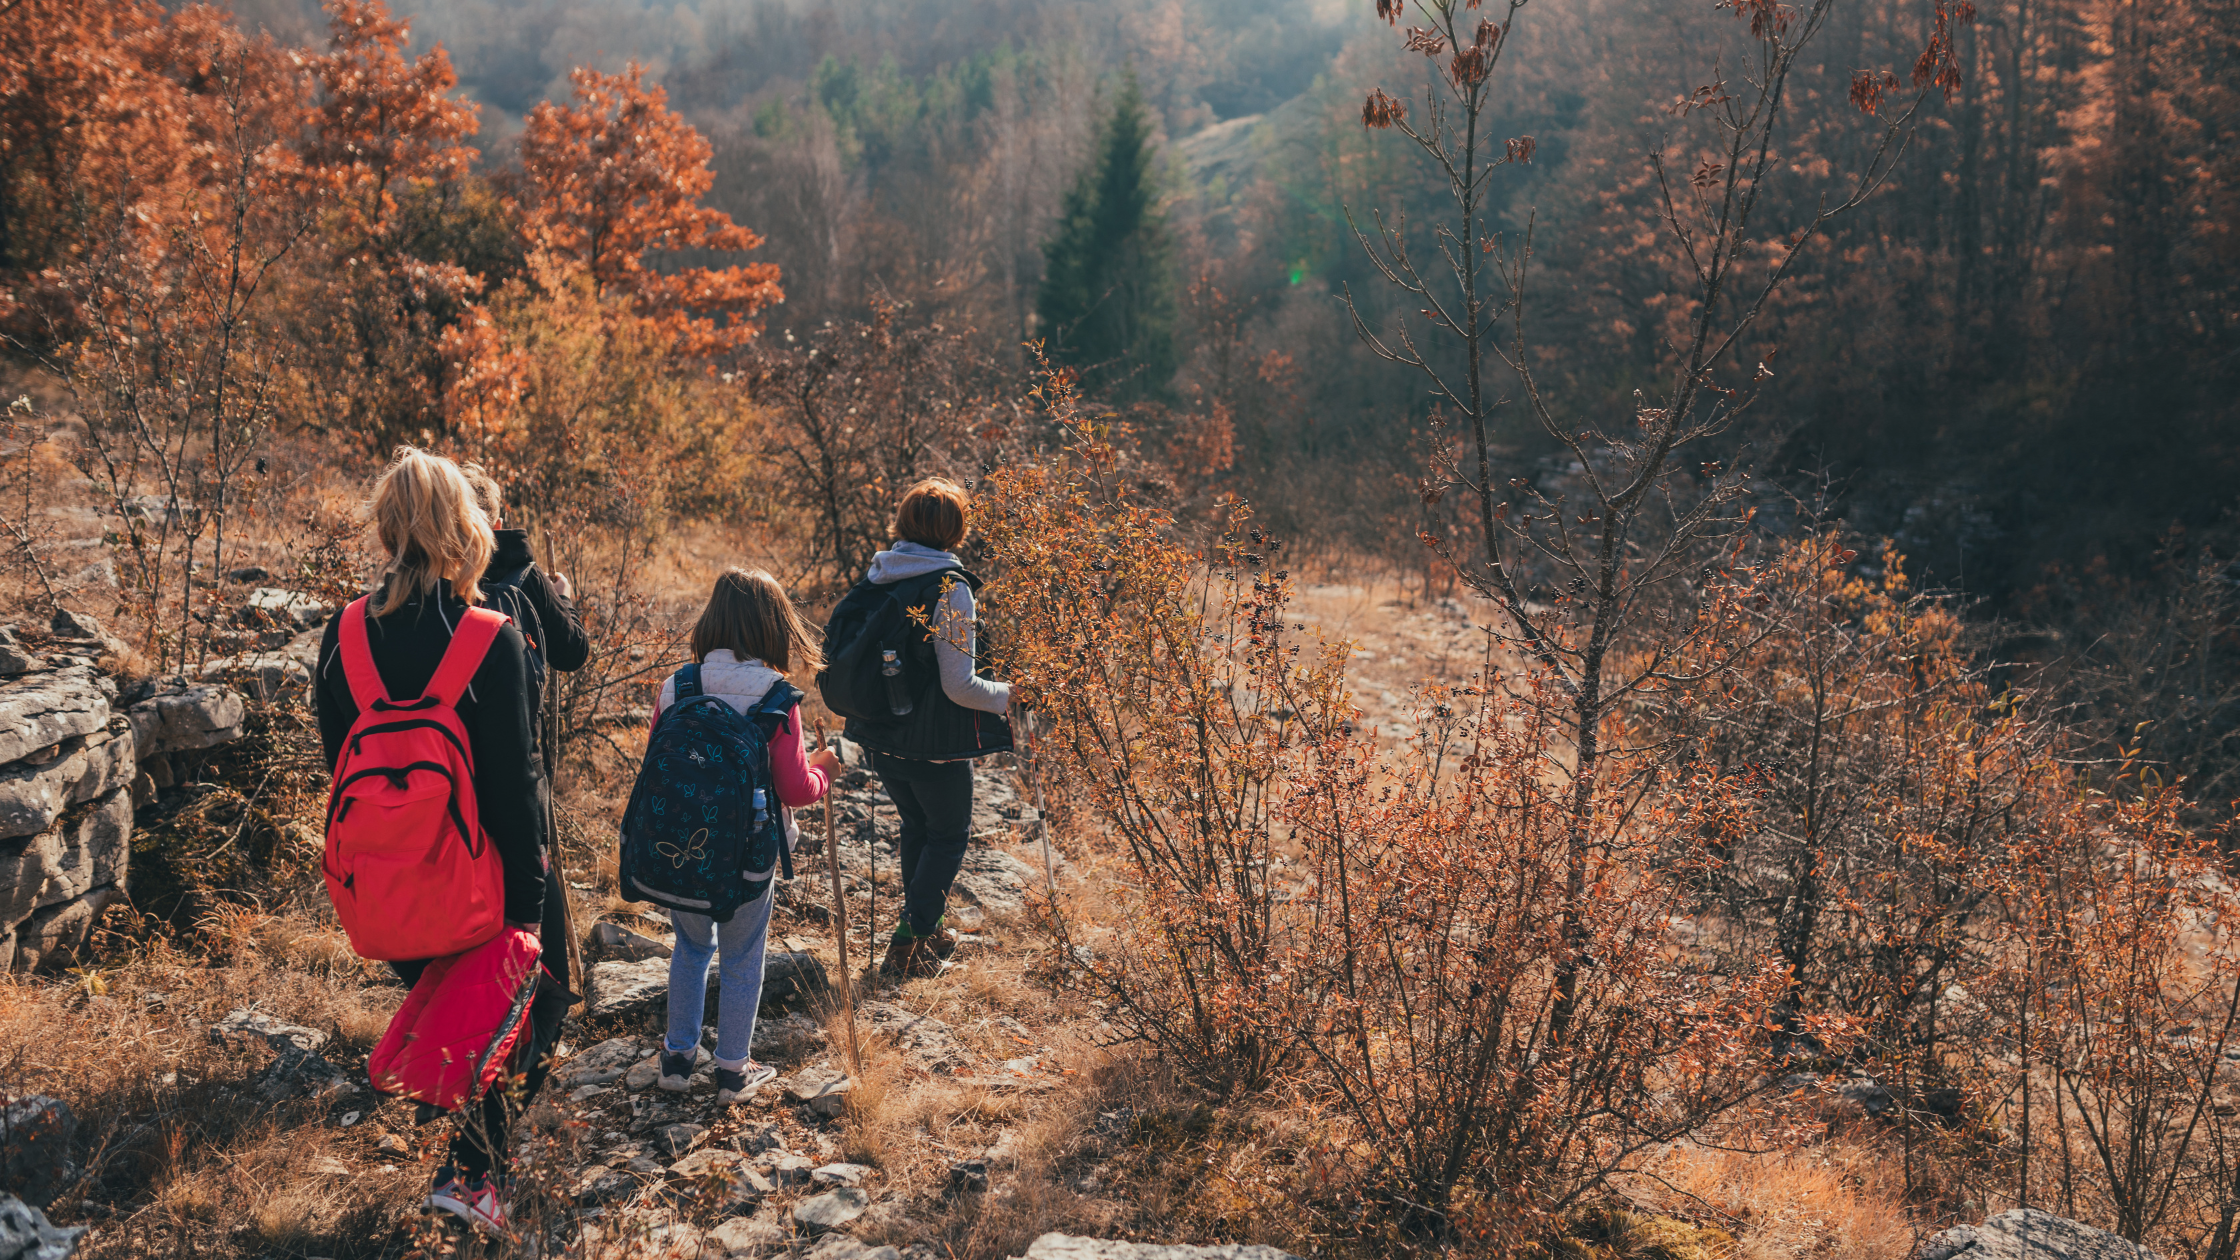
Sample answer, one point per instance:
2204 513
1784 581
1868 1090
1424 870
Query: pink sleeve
797 784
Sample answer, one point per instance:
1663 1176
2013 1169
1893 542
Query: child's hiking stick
840 912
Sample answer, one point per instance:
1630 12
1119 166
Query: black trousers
480 1141
934 799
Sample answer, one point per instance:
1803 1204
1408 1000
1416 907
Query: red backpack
457 1030
411 873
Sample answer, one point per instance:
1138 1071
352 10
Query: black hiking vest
937 728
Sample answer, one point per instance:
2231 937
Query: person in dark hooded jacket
539 603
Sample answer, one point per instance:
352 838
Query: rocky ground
648 1173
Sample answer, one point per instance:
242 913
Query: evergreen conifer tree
1107 304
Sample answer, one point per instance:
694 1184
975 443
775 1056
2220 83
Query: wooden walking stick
840 912
578 979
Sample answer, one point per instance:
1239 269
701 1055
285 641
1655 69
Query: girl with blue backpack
747 641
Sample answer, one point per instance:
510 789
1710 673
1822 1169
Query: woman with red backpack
395 646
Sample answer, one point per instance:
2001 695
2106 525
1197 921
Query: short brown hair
749 613
487 492
931 514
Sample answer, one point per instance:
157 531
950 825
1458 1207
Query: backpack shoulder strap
357 657
688 684
469 644
771 710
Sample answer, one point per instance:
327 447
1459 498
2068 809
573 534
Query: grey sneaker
676 1069
732 1086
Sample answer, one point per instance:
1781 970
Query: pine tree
1107 304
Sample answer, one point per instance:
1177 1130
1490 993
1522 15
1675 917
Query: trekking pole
840 913
578 979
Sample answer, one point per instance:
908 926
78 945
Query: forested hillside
1593 629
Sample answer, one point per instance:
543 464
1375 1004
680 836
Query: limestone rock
642 1074
55 884
53 936
840 1175
87 847
630 988
279 607
41 710
27 1234
602 1064
842 1247
34 794
2029 1234
996 882
794 978
182 718
745 1234
35 1136
926 1040
296 1072
250 1024
601 1184
616 941
677 1139
768 1137
822 1089
83 629
624 988
791 1170
831 1209
265 676
787 1037
14 657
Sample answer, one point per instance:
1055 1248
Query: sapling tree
1613 586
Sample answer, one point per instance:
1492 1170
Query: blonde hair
428 521
487 492
932 514
749 613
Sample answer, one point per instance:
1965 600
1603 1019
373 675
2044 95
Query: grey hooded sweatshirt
954 645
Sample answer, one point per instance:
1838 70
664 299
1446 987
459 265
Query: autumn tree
616 175
385 135
93 137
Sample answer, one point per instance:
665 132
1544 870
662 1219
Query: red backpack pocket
457 1030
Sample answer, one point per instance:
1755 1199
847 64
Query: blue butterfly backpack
704 832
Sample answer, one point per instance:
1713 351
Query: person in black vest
437 547
925 759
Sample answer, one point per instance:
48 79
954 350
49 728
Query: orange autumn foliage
617 174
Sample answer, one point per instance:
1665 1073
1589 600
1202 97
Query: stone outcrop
70 765
2029 1234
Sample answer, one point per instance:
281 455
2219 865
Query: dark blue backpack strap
771 710
688 682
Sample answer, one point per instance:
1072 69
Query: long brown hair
429 523
750 613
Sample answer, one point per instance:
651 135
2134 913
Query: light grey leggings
742 942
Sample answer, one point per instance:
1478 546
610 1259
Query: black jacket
515 586
406 645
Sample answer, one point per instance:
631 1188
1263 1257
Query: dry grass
1831 1201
